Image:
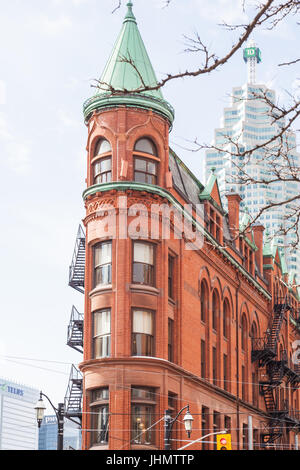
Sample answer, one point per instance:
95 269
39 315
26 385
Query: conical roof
127 71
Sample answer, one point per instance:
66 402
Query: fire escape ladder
276 371
73 398
292 372
274 330
275 423
77 268
267 390
75 331
264 350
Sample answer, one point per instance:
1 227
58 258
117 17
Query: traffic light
223 441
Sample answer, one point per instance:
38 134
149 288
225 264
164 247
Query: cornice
132 185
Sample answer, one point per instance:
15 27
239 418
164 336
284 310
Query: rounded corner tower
128 124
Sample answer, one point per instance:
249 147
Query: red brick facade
211 367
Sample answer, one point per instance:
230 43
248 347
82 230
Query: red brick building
166 326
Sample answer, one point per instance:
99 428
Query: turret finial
129 15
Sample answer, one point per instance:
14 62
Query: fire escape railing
264 351
292 372
73 398
75 331
77 268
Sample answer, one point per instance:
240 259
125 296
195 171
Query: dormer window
145 162
102 162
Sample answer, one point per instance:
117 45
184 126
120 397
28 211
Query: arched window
226 318
203 301
244 333
254 331
215 309
145 167
145 146
102 165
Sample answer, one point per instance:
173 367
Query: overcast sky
50 51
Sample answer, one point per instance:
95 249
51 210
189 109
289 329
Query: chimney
234 200
258 233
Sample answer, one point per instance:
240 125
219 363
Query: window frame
96 268
107 155
152 267
170 339
106 335
171 276
215 311
204 301
149 158
99 404
150 338
107 172
146 173
143 403
226 318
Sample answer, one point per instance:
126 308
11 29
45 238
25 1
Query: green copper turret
127 71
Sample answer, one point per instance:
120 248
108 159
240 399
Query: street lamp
169 422
40 410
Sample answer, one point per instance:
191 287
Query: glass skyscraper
48 434
18 424
247 123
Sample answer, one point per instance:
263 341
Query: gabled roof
245 222
269 249
282 261
211 191
128 70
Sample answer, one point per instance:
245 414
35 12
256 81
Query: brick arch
244 310
216 284
101 133
204 275
160 139
216 316
143 131
226 294
255 319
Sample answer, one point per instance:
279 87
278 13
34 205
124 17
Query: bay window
102 165
102 264
142 333
145 171
145 166
100 416
143 263
101 337
142 415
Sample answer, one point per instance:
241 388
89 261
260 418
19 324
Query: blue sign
14 391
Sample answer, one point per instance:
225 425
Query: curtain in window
143 322
143 253
103 254
102 323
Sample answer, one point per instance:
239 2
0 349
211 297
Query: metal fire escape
264 350
74 393
77 268
75 331
73 398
